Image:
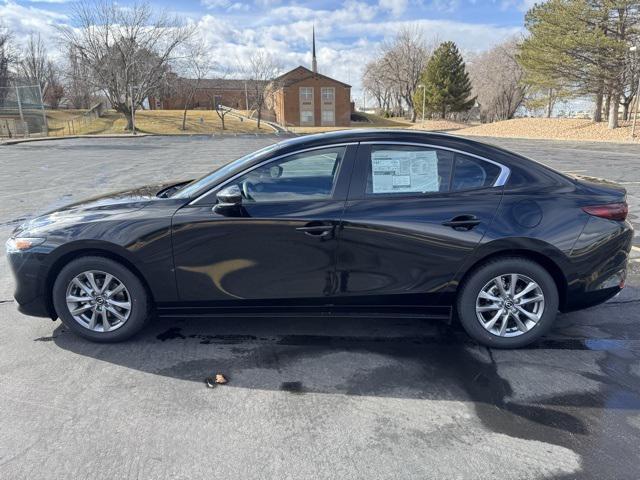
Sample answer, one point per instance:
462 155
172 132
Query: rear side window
469 173
407 169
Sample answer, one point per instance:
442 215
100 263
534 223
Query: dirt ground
554 129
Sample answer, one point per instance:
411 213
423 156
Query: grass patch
161 122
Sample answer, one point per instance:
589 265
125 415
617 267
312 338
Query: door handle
462 222
316 230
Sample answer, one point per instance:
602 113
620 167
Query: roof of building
221 83
282 80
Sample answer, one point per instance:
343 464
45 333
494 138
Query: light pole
635 113
424 97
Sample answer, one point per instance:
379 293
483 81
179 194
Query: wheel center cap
508 304
100 300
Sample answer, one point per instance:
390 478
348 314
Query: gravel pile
554 129
437 125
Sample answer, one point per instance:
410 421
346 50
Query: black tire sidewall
479 278
139 302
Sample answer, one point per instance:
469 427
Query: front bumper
29 274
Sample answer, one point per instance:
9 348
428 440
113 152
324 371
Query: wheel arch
542 259
88 251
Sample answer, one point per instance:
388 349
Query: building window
327 116
327 94
306 116
306 94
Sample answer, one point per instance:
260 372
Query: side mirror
229 199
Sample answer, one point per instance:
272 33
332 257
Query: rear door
414 213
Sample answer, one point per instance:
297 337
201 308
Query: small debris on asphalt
219 379
210 382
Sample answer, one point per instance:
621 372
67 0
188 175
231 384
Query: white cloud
522 5
22 21
347 37
395 7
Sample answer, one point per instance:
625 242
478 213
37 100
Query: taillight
610 211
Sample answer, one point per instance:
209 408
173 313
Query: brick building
300 97
211 91
303 97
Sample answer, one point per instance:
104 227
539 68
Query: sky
348 32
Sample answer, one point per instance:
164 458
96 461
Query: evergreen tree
447 87
582 46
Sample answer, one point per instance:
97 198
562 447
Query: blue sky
348 33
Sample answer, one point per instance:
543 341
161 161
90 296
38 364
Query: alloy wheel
98 301
510 305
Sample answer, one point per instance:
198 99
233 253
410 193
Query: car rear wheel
100 299
508 302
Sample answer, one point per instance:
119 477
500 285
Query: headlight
19 244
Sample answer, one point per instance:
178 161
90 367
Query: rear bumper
598 263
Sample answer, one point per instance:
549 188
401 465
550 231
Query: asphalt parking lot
306 398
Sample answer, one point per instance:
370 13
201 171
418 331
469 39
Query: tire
482 283
130 302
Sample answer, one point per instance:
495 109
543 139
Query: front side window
408 170
304 176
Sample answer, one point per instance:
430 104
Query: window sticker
397 171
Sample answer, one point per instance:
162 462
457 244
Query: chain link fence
75 125
22 112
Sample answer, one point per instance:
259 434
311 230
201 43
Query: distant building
232 93
300 97
303 97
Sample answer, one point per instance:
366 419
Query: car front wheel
100 299
508 302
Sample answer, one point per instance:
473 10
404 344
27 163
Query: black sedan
365 222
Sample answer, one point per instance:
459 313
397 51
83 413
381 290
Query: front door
281 243
413 215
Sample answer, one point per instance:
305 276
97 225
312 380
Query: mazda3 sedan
366 222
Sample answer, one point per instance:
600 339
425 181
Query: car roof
514 161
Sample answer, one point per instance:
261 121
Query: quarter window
471 173
304 176
400 169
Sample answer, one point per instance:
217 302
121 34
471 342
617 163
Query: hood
97 208
126 199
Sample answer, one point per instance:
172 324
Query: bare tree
128 50
193 66
222 112
32 65
377 84
261 71
77 82
36 68
402 62
496 78
54 91
6 59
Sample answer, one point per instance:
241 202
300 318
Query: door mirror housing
229 199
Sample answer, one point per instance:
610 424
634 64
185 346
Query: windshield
192 188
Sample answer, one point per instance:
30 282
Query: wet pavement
307 397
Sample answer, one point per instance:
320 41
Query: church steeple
314 63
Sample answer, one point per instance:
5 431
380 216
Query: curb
139 135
